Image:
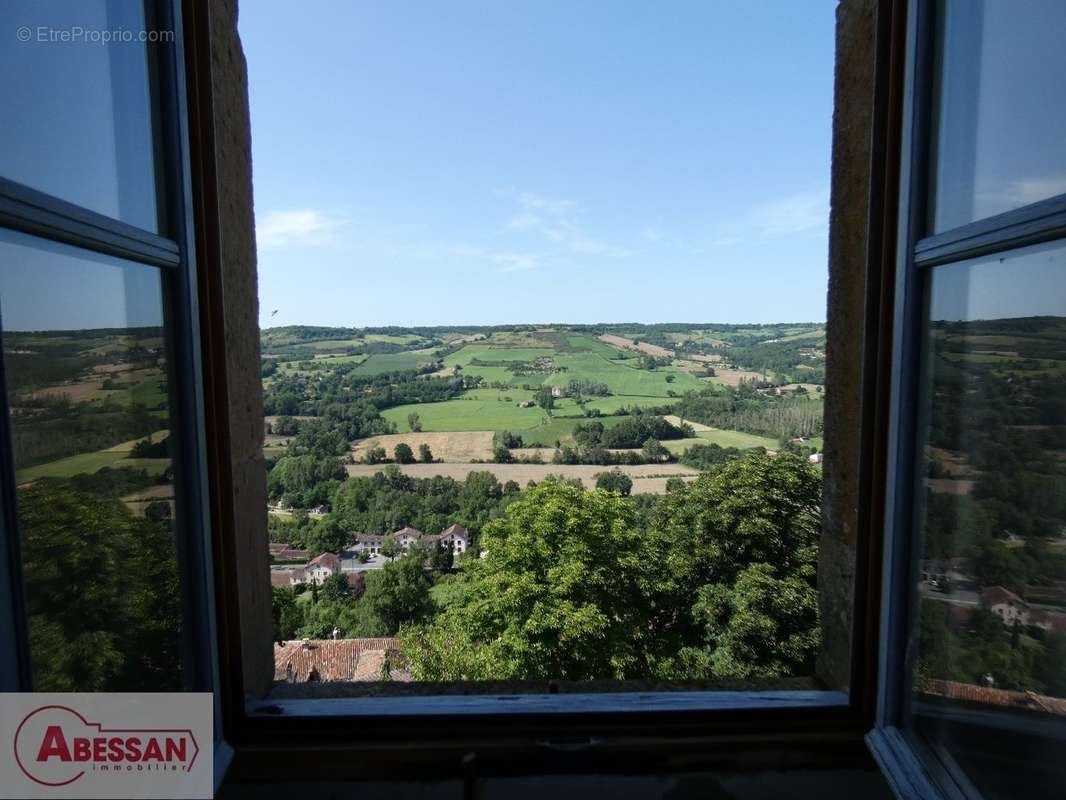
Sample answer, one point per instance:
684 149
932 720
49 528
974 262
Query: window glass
989 642
1001 108
78 112
87 387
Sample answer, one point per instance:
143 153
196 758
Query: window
105 542
975 626
596 464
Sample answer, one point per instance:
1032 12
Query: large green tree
560 594
740 552
399 593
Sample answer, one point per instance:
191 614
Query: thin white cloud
788 215
503 260
797 213
303 227
554 219
515 262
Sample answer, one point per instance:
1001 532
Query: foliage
558 596
119 571
742 540
615 481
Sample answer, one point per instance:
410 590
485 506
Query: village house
455 536
368 542
321 567
1013 610
317 511
281 578
1006 605
407 536
559 391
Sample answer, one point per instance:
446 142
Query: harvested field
737 439
647 478
950 485
733 377
454 446
141 499
788 388
107 369
77 392
643 347
713 358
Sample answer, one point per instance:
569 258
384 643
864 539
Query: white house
407 536
1006 605
321 567
369 542
455 536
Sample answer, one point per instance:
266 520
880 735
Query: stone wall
849 205
233 156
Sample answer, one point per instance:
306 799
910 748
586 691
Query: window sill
525 704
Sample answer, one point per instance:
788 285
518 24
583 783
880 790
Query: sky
442 163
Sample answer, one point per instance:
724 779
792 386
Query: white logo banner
152 745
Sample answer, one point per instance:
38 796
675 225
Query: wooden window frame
49 218
467 736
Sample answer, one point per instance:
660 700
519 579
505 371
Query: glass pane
990 635
86 381
78 113
1001 108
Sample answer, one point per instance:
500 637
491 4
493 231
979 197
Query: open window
132 451
973 674
106 547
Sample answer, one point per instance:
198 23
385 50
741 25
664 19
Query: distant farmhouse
1013 610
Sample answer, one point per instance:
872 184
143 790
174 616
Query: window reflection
1001 108
78 114
86 380
990 634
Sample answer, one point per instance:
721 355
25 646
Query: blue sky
506 162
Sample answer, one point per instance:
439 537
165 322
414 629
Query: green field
622 376
552 357
609 405
467 414
88 463
391 362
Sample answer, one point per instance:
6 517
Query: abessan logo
128 746
55 745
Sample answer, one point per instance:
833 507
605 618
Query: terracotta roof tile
1004 698
332 659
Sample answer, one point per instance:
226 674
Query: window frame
912 766
174 256
457 736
